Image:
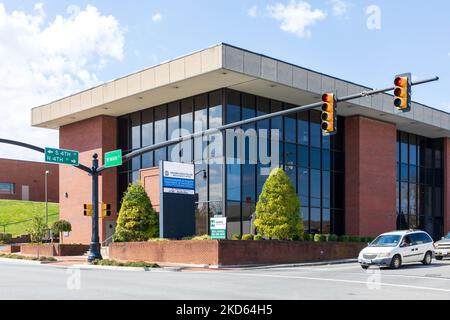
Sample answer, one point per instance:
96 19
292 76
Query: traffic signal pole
95 171
157 146
94 248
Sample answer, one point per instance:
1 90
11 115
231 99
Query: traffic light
106 210
329 114
402 92
87 210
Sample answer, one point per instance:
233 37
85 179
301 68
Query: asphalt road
347 281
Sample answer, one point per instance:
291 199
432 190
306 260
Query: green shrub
201 238
236 237
114 263
137 220
317 237
247 237
5 238
277 211
20 257
354 239
37 229
343 238
157 239
258 237
58 227
333 238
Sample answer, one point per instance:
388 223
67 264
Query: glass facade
314 163
420 183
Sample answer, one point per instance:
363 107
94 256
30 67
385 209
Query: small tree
38 229
137 220
61 226
278 208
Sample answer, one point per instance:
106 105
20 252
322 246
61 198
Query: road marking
382 274
338 280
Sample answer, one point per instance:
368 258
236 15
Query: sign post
61 156
218 226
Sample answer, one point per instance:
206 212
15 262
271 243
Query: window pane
326 189
233 182
315 221
316 131
136 130
215 182
290 121
315 158
248 183
303 128
315 184
303 186
303 156
147 127
326 221
233 218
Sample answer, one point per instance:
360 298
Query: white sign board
218 226
178 178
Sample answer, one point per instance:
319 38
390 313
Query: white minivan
393 249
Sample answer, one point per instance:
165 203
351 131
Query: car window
425 237
416 239
386 241
448 235
407 241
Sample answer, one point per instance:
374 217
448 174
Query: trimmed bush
277 211
114 263
201 238
236 237
137 220
20 257
354 239
247 237
320 238
258 237
343 238
5 238
58 227
157 239
333 238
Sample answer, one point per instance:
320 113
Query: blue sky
329 36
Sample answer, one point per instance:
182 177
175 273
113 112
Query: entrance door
25 193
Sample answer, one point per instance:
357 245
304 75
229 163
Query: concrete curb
291 265
129 269
20 261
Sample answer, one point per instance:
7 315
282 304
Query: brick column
95 135
370 176
446 185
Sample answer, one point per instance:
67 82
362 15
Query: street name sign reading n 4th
113 159
60 156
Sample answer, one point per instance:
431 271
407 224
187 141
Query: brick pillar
446 185
95 135
370 176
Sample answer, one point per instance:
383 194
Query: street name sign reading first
61 156
113 159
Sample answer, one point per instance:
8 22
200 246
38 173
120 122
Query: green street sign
61 156
113 159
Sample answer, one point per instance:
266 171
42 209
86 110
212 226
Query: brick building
383 170
25 180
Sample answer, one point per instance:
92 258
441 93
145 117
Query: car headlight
384 255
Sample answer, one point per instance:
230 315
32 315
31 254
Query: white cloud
42 60
157 17
296 17
340 7
253 11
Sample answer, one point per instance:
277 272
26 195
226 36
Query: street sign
113 159
61 156
218 226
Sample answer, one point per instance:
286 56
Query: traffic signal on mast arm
106 210
87 210
402 92
329 114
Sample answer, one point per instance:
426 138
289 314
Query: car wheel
364 267
428 258
439 258
396 262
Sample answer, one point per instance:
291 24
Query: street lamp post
46 197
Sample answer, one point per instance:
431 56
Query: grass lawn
12 211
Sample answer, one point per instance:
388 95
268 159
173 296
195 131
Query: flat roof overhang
225 66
